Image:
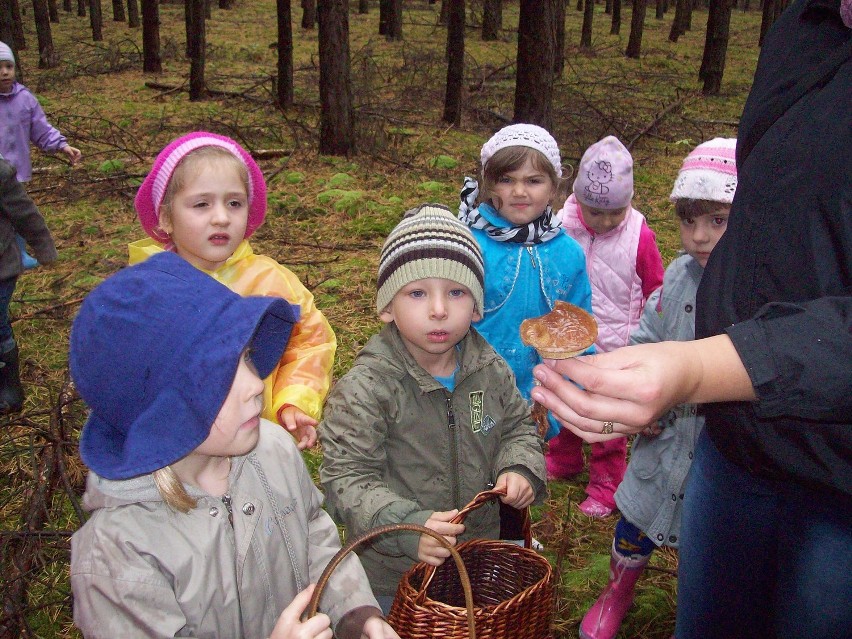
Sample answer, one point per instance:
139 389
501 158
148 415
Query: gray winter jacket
18 214
398 446
142 569
651 493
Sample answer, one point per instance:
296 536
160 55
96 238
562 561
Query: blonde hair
172 490
190 167
511 158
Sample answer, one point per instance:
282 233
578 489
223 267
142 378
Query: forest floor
327 218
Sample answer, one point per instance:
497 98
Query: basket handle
313 605
477 502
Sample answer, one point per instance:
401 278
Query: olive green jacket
398 446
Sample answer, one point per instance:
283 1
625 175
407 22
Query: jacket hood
141 250
17 87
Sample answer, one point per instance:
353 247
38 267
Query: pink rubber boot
604 617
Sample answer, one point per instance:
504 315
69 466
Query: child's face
207 219
602 220
699 235
7 75
235 430
523 194
432 315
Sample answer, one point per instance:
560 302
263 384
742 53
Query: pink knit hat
605 177
708 173
150 194
529 135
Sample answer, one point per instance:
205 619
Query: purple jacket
22 120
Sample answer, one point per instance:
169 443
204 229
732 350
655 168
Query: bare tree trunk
637 25
66 6
151 60
337 130
46 54
118 11
455 63
53 10
608 7
96 20
716 46
615 28
534 83
677 23
586 31
81 8
559 37
687 16
660 12
132 14
18 27
285 54
767 18
390 19
196 35
492 19
443 17
6 33
226 4
363 6
309 14
208 9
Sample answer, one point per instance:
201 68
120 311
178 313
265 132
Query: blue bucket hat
154 351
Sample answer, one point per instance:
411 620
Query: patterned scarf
542 229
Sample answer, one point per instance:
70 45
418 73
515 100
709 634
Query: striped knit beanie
708 173
430 242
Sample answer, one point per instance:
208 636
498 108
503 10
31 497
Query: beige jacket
141 569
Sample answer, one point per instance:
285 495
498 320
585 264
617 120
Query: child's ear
386 315
476 316
165 222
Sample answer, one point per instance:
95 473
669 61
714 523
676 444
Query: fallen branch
659 118
47 309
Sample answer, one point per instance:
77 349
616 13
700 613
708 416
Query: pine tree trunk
492 19
96 20
118 11
687 17
608 7
285 54
384 16
363 6
337 130
615 28
6 34
46 54
392 11
716 46
66 6
81 8
53 10
443 17
132 14
677 22
196 35
309 14
151 60
586 31
226 4
766 19
637 25
559 37
534 84
660 12
455 63
18 27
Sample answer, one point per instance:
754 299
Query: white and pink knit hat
150 194
708 173
529 135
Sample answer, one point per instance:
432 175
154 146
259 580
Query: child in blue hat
204 519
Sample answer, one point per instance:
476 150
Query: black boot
11 392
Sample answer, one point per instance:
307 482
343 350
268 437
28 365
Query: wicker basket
513 592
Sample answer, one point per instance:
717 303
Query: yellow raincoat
303 376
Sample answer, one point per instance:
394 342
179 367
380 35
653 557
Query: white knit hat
528 135
708 173
6 53
430 242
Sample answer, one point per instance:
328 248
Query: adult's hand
624 390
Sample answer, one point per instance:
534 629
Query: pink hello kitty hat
605 177
150 194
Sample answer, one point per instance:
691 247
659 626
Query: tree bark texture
492 19
151 59
443 17
285 54
615 27
6 33
53 10
81 8
96 20
677 23
716 45
660 11
455 62
337 129
196 37
390 19
47 58
66 6
118 11
226 4
132 14
363 6
637 25
534 83
18 27
586 31
558 37
309 14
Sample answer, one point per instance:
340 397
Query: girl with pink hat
203 199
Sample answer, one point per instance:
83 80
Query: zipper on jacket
532 256
226 499
454 452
